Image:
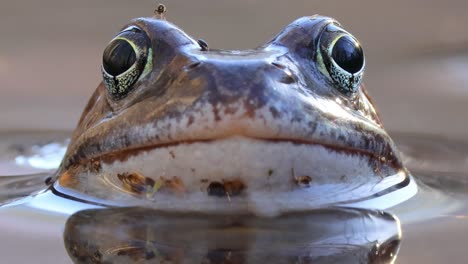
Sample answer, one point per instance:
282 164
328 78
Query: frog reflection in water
177 126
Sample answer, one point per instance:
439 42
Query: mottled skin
276 93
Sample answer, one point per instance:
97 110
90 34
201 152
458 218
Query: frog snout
256 83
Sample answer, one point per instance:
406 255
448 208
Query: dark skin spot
301 181
48 181
274 112
139 184
95 166
226 188
135 182
216 189
190 120
68 178
172 154
149 182
234 188
216 113
270 172
174 184
250 109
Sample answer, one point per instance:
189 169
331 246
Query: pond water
39 225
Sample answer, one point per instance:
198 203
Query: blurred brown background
416 52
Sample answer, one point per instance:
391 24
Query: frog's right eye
124 61
342 58
118 57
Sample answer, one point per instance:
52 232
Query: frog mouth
376 158
191 155
292 175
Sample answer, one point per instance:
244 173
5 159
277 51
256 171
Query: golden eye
343 58
124 61
118 57
347 54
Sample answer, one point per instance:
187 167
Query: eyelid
131 28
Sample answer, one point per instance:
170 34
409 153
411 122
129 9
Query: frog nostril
278 65
192 66
288 79
287 75
203 44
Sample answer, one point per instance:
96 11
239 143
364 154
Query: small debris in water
301 181
135 182
139 184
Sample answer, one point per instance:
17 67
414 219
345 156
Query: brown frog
178 126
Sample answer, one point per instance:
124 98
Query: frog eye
118 57
124 61
342 58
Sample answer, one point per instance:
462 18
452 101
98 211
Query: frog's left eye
342 58
124 61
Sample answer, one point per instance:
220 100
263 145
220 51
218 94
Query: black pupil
348 54
118 57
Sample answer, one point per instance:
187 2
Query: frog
178 126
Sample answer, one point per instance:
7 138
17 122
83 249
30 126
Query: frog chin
237 174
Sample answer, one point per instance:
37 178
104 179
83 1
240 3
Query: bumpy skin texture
176 91
277 92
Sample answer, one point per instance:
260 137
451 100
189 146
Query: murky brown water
41 226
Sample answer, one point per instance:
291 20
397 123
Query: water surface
38 225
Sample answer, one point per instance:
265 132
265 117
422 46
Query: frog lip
125 153
257 174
